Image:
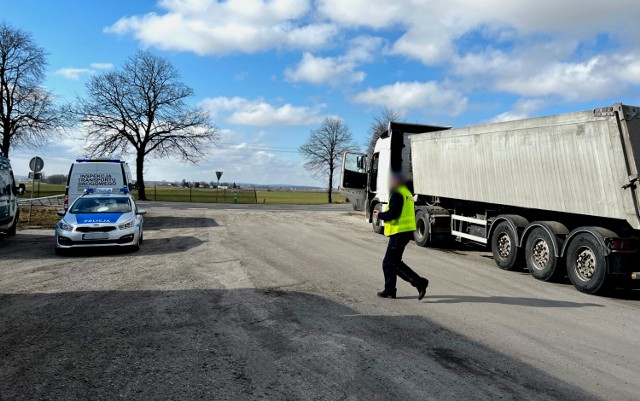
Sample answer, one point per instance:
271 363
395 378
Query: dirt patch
41 217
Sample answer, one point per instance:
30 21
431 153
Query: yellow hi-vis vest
407 220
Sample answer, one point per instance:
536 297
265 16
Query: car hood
98 218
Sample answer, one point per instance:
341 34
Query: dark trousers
393 266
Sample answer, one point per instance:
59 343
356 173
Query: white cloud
537 73
74 73
523 108
222 27
241 111
428 97
101 66
336 70
432 27
572 49
549 48
78 73
319 70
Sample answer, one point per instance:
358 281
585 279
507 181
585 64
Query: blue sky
268 71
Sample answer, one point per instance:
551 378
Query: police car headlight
127 225
64 226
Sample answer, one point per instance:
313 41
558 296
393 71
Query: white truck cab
9 210
365 179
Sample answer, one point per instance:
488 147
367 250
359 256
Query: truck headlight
64 226
127 225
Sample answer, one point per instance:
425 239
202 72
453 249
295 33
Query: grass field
170 194
297 197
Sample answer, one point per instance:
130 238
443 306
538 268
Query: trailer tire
376 223
504 246
587 264
540 255
422 235
13 230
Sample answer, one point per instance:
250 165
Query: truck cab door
353 184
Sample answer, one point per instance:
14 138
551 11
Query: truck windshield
101 205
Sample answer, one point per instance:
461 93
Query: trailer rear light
66 202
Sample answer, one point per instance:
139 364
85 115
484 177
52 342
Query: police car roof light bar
124 190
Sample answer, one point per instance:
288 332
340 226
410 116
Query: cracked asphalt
248 303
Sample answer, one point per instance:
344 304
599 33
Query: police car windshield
101 205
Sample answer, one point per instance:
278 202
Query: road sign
219 174
36 164
35 176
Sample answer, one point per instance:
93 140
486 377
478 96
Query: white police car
100 218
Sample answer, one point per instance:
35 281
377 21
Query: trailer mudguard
517 223
557 231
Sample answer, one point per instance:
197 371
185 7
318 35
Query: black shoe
387 294
422 289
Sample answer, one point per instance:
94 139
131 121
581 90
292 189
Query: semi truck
557 194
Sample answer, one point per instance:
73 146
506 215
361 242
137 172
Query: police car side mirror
60 213
21 190
141 212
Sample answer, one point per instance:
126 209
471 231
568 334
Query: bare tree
324 149
28 114
143 106
379 125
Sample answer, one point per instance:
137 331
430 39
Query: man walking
399 225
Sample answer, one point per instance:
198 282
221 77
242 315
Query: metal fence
171 194
199 195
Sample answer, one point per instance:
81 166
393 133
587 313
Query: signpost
36 164
218 174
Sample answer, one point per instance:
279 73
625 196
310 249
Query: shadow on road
157 223
244 344
29 246
518 301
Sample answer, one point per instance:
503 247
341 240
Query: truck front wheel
540 255
423 229
504 247
376 223
587 264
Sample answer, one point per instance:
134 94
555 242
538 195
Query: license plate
94 236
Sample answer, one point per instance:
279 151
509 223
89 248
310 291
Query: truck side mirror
21 190
133 186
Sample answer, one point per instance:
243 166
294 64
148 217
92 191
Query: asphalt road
235 304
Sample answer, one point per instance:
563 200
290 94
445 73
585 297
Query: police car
100 218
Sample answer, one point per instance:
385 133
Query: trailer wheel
504 247
376 223
587 264
539 252
423 229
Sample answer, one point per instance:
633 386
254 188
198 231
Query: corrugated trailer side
574 163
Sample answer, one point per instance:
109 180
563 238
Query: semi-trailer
559 194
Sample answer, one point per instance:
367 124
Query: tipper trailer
558 194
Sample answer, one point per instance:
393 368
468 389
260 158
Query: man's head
396 179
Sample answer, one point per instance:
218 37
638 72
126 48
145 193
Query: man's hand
376 213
